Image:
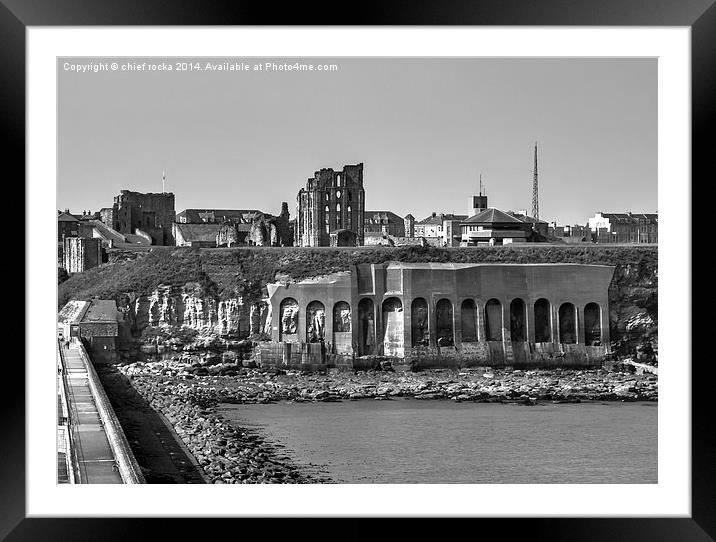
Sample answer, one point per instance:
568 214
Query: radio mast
535 196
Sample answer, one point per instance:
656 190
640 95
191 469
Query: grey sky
424 128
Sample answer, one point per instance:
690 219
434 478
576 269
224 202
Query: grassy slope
225 272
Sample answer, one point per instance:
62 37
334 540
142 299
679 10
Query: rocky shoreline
188 394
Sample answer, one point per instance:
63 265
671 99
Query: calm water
414 441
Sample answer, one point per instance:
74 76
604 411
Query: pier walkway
91 444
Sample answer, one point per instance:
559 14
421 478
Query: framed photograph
411 268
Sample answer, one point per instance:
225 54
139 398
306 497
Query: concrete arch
393 336
444 323
341 317
518 320
366 327
543 321
567 323
288 320
315 322
493 320
593 324
468 320
419 322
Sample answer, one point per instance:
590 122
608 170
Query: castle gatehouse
443 315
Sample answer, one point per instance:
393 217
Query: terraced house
625 227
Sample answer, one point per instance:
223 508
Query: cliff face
191 307
633 311
188 306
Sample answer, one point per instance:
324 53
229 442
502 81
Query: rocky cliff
633 314
192 313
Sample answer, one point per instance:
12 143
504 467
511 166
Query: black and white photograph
406 261
349 270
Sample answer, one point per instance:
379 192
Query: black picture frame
699 15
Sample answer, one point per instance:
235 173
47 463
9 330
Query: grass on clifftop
226 272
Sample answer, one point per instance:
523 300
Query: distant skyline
425 130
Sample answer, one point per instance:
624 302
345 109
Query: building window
338 194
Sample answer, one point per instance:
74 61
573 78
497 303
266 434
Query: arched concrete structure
493 320
366 327
393 338
567 323
592 325
342 328
543 321
444 323
288 320
419 322
497 314
315 322
468 317
518 320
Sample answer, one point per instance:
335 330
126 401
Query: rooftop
198 232
493 216
437 218
102 310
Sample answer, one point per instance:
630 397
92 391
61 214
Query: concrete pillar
579 324
328 331
378 310
407 324
506 333
432 328
456 322
301 323
604 325
530 320
480 320
275 321
554 310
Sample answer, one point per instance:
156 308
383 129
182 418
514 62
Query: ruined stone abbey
330 209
